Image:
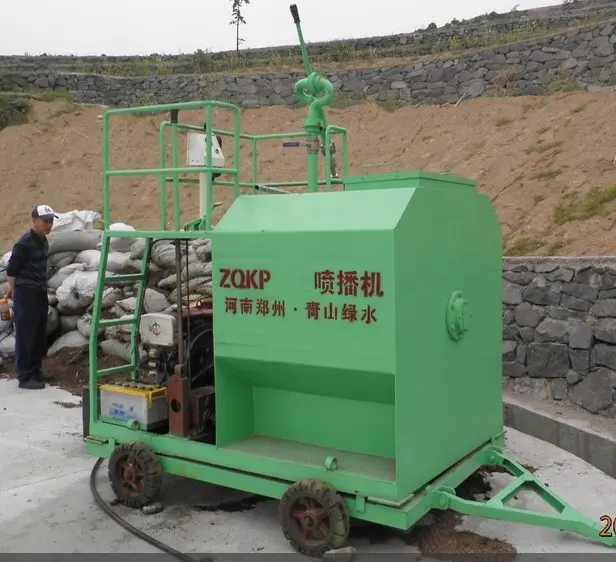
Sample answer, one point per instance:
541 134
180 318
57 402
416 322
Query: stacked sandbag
73 274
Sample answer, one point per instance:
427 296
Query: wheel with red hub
314 518
135 474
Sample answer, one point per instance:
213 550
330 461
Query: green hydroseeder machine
348 360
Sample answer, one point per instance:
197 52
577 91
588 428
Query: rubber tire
152 469
339 519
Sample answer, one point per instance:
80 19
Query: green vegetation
553 249
15 106
547 174
523 247
591 205
538 198
503 121
14 110
541 146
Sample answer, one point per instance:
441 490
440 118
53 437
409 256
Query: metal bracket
565 518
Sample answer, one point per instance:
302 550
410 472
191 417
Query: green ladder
133 320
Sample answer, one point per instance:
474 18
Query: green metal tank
366 321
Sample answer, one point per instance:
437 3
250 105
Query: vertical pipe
176 176
106 179
312 147
163 177
180 310
313 172
236 152
203 195
345 155
254 162
208 164
328 165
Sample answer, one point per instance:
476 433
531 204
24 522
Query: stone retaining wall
580 58
584 58
559 330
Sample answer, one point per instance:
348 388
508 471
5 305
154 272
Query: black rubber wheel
314 518
135 474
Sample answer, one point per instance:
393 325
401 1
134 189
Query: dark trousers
30 310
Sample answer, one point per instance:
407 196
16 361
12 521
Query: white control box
158 329
196 152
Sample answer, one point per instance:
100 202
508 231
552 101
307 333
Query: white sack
68 323
194 270
74 241
61 259
117 311
122 350
163 255
91 259
84 326
121 244
201 286
137 249
7 346
197 242
111 295
72 340
77 290
136 265
75 220
59 277
153 301
204 253
128 305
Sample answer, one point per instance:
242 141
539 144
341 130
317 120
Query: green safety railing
175 170
254 182
171 174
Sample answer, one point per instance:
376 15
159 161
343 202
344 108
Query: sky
140 27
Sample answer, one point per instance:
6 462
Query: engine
159 335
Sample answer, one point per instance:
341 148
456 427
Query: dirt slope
547 162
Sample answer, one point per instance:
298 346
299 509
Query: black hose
143 536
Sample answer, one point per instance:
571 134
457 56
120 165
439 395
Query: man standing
27 275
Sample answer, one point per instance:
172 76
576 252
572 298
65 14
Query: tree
237 19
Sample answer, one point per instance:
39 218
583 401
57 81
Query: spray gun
316 92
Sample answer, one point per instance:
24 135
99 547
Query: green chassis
206 463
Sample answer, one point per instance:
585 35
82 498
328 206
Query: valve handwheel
314 518
135 474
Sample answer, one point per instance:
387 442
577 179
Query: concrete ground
46 505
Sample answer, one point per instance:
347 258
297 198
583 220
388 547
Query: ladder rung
131 319
130 277
115 370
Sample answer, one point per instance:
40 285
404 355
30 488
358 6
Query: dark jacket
28 263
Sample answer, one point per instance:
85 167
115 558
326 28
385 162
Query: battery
143 403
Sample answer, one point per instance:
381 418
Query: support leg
564 517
